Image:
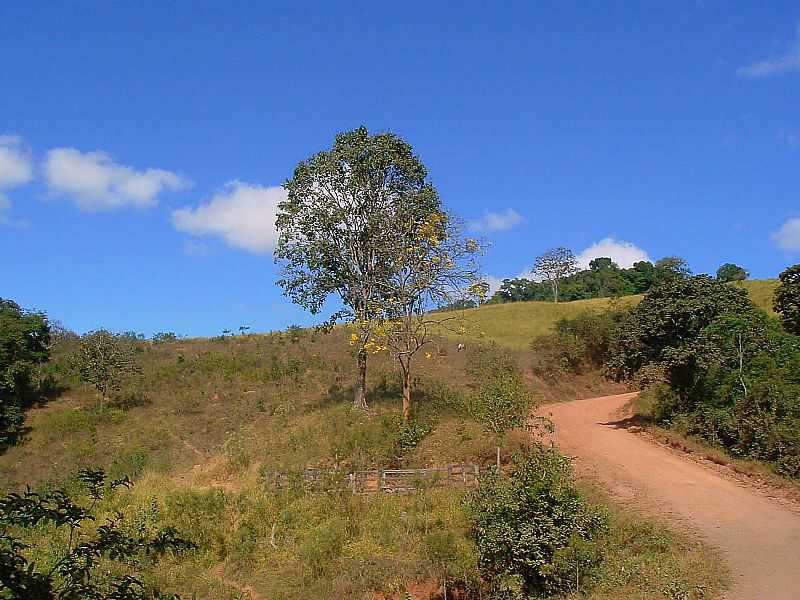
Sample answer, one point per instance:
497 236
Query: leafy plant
534 533
81 571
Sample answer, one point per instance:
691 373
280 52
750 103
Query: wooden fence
389 481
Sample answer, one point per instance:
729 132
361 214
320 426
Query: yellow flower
428 355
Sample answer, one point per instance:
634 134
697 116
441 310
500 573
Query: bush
96 563
533 531
577 344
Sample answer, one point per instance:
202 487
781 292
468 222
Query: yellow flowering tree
433 266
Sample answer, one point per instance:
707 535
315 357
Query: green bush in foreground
534 533
97 560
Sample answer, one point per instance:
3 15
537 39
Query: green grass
761 292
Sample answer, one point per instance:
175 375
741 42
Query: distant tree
433 267
24 343
336 228
80 571
554 265
640 277
103 360
787 299
672 267
731 272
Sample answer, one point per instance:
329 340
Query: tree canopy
731 272
337 228
24 343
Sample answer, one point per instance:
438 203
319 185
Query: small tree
103 360
434 267
787 299
554 265
731 272
501 402
336 229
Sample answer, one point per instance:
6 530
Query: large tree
337 229
433 267
554 265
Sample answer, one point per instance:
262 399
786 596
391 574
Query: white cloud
16 166
622 253
95 182
242 214
496 221
785 62
788 236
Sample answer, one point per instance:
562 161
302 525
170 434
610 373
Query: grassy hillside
515 324
207 419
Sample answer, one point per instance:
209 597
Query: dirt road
759 537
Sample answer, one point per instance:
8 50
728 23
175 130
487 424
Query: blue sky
142 144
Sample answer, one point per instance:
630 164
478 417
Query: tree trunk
360 395
406 393
555 290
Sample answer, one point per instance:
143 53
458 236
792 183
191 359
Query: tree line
560 279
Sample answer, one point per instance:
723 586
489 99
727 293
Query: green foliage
104 360
579 342
95 563
501 401
663 328
24 344
787 299
723 369
731 272
602 279
533 532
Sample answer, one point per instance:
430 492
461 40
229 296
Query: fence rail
389 481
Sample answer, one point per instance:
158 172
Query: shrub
533 531
577 344
91 565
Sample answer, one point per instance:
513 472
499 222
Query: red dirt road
758 536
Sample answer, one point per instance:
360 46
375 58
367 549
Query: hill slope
209 419
515 324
